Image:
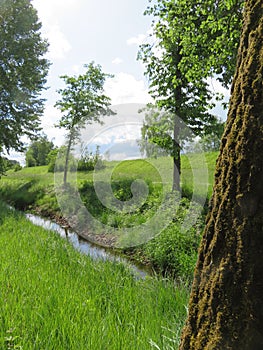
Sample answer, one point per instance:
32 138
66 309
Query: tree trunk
176 168
226 303
176 136
67 158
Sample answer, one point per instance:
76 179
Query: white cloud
50 118
20 157
137 40
59 45
117 61
118 134
48 12
76 68
124 88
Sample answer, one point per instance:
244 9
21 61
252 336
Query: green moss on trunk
226 304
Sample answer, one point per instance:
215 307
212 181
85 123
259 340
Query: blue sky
107 32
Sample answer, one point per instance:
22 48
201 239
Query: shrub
174 251
17 167
56 160
89 160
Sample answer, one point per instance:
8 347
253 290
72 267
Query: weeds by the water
52 297
174 250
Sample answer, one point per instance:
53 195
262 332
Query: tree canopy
206 35
23 70
38 150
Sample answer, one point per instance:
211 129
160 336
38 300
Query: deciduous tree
156 133
38 150
82 102
190 45
23 70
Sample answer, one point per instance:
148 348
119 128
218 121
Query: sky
108 33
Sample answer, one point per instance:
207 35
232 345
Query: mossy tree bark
226 303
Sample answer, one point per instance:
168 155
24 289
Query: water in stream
86 247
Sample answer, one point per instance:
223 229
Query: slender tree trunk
67 158
226 303
176 172
176 134
176 162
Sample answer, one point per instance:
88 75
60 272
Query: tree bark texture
226 302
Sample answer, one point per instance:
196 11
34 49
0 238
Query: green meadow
34 186
173 251
53 297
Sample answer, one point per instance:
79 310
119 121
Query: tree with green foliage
82 102
23 70
51 159
179 62
56 160
225 308
211 139
8 164
37 153
154 119
211 32
157 137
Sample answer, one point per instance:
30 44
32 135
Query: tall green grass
173 250
52 297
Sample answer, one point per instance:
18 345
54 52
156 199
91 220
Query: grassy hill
30 182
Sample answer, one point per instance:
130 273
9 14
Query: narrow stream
85 247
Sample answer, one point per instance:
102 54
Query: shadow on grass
6 212
187 192
21 195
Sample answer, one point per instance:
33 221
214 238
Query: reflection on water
86 247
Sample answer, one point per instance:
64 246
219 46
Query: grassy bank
32 184
174 250
52 297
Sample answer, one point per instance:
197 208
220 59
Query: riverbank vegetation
173 251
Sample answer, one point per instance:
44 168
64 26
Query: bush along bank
173 252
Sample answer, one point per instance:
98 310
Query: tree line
44 152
